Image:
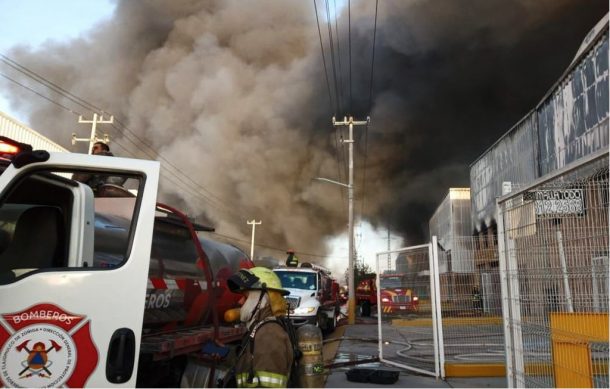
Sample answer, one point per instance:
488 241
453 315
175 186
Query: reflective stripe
264 378
174 284
171 284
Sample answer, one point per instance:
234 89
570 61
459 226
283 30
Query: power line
210 197
38 94
338 50
49 84
349 37
332 55
330 98
127 134
366 130
373 59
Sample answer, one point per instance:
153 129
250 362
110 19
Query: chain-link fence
440 310
553 247
471 308
407 310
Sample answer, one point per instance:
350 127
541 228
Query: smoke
234 94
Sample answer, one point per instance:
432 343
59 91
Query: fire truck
314 295
103 286
396 297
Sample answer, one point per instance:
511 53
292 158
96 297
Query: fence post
438 327
506 317
433 308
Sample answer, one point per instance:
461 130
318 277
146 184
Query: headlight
385 300
304 310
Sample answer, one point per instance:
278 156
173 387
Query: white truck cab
65 319
311 299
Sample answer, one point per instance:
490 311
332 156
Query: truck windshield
297 280
390 282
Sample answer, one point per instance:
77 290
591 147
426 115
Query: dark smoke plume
233 93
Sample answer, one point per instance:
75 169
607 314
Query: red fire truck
104 287
396 297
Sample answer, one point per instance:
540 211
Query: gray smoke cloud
234 94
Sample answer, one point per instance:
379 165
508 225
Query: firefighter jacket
267 356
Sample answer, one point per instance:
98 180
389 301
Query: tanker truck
107 288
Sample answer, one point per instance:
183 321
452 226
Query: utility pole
351 313
93 138
253 223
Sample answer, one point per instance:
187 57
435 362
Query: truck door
70 315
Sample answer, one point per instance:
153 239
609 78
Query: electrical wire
349 37
38 94
332 56
213 199
366 129
373 59
330 98
173 177
56 88
338 50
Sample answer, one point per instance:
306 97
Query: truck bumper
298 321
398 309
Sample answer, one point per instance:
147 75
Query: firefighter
477 302
95 181
267 352
292 260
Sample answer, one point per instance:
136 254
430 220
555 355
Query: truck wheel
365 309
332 323
321 321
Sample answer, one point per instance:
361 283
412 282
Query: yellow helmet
256 278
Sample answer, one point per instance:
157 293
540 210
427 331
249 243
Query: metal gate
553 251
408 309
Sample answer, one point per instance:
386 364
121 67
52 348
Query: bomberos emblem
45 346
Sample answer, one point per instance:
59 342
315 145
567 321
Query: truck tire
332 323
321 321
365 309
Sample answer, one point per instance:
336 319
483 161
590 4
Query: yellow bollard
311 365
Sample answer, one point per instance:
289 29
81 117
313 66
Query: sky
237 100
36 23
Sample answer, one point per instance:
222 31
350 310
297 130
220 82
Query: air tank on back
178 293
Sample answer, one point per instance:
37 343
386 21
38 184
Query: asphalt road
359 343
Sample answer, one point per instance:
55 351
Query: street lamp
351 302
332 182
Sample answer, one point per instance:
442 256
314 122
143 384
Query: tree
361 271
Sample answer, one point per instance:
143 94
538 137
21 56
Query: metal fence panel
554 267
471 304
408 335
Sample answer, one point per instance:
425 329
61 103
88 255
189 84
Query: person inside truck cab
267 353
95 181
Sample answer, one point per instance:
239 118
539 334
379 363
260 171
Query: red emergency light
6 148
9 149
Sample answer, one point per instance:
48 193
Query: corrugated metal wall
452 219
569 123
13 129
